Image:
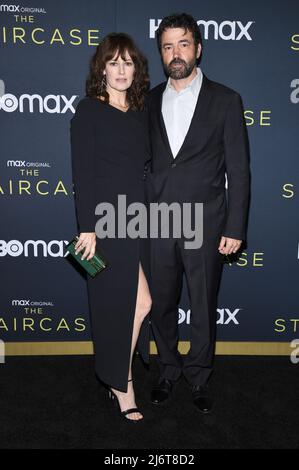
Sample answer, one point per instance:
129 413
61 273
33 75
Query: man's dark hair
181 20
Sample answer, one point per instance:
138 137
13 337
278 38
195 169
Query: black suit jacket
216 143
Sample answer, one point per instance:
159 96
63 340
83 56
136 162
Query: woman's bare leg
143 307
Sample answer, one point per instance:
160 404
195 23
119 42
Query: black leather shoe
162 392
201 399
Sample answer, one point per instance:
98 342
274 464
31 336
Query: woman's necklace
118 105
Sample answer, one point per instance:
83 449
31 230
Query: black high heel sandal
124 413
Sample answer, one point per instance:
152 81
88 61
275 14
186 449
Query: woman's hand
86 240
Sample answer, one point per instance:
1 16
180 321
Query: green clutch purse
94 266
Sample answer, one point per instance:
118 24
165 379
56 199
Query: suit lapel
200 112
162 125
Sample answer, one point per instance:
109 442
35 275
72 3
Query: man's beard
179 73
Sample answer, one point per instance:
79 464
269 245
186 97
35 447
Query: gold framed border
57 348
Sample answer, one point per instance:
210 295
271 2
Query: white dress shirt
178 109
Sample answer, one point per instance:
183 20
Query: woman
109 154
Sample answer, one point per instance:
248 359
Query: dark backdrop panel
49 69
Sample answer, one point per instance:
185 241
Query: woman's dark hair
181 20
118 43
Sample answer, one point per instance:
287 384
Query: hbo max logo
184 317
54 249
226 30
52 104
225 316
21 303
10 8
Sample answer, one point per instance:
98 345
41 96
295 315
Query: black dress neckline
111 106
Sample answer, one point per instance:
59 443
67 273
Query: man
198 135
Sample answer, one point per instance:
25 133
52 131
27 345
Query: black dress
109 153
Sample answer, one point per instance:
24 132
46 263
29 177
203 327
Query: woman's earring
103 83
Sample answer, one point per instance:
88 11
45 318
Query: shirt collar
194 85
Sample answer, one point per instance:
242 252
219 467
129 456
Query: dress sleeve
83 165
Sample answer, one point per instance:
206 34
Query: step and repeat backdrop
45 49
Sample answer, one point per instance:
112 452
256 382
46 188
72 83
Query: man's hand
88 241
229 245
